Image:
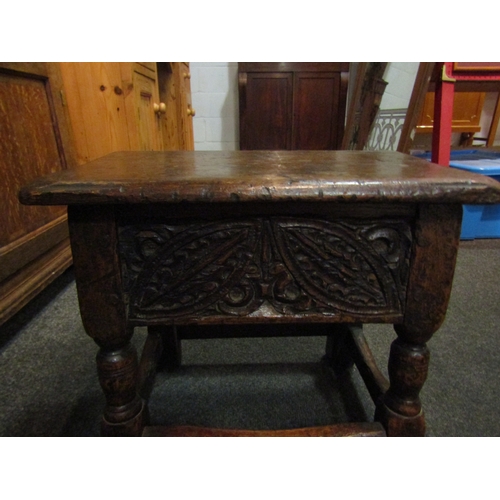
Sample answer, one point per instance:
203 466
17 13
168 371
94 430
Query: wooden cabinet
34 141
292 105
467 109
185 111
174 81
143 105
55 115
127 106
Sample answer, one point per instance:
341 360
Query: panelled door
34 141
292 105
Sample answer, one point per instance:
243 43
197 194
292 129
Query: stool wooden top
243 176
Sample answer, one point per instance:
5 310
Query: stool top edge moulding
137 177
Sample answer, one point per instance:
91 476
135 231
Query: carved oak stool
327 238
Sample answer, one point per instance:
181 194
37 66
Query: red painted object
443 106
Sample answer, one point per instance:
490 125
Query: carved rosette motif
297 266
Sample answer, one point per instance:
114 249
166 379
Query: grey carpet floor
49 384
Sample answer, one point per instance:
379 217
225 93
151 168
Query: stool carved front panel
272 266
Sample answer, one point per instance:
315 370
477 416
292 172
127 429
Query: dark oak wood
362 429
348 346
103 312
240 177
364 110
268 111
273 67
149 363
298 106
201 245
357 77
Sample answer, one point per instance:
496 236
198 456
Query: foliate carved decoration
269 265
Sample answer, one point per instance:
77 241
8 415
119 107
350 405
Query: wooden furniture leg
171 357
125 411
401 411
434 256
337 353
102 308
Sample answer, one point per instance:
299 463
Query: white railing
386 130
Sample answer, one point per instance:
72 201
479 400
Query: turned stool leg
338 353
162 350
124 413
400 410
171 352
103 310
434 253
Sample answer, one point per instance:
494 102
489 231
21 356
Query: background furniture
292 105
251 238
365 97
34 140
466 116
447 81
55 115
128 106
472 76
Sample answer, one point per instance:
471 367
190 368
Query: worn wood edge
340 317
79 186
476 190
23 286
362 429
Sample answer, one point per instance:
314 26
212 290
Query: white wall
214 91
214 88
400 78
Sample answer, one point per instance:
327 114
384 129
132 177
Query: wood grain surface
243 176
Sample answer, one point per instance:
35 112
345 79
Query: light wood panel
128 106
467 109
55 115
95 97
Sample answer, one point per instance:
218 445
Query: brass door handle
160 108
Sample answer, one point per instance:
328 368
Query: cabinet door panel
146 95
28 149
175 93
95 96
316 97
467 109
169 90
186 108
267 117
34 141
